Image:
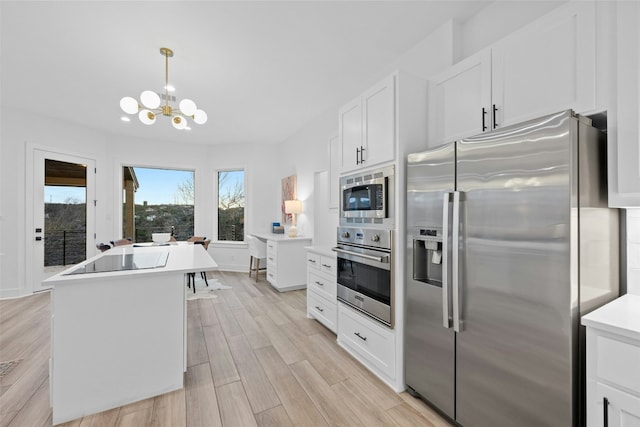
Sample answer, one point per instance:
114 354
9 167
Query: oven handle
382 259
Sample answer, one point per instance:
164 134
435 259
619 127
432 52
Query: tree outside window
231 204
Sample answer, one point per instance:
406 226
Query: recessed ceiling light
125 119
187 128
170 88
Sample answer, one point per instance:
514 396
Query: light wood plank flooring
254 359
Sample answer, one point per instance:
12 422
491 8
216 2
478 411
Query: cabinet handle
360 336
357 156
319 309
362 154
605 412
326 265
319 283
495 125
312 260
484 113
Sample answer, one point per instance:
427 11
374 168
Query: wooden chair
257 252
191 277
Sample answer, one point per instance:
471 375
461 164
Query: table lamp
293 207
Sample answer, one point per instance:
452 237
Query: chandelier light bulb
150 99
150 104
147 117
200 117
188 107
129 105
179 122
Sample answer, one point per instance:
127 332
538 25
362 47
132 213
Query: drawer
272 250
321 284
618 362
313 260
322 310
374 343
328 265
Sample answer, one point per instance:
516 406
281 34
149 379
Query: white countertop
322 250
184 257
280 237
621 316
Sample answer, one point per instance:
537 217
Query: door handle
446 317
495 125
484 113
455 279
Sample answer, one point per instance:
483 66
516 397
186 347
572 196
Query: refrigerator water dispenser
427 256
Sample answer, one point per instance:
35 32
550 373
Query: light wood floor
253 359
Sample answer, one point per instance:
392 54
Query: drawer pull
325 265
312 260
319 309
360 336
319 283
270 259
605 412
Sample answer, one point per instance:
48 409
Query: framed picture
288 193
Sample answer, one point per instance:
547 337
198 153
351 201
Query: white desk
120 337
286 260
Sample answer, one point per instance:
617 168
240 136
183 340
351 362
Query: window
157 201
231 202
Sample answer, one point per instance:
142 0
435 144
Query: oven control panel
377 238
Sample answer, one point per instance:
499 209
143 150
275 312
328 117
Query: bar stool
257 252
191 277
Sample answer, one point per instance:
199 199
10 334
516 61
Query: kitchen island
119 336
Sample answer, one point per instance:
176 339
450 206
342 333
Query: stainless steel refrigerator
509 241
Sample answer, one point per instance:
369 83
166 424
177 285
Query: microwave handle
446 317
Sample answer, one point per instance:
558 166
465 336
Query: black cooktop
121 262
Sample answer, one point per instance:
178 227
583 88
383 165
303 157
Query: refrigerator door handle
455 283
446 317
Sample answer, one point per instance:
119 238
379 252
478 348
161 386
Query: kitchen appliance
365 271
509 241
367 198
122 262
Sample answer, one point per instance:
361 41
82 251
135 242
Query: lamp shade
293 206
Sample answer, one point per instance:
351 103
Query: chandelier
150 104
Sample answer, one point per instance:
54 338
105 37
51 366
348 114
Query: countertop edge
621 316
321 249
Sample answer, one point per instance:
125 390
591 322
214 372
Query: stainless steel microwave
367 197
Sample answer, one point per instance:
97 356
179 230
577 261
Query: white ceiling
261 70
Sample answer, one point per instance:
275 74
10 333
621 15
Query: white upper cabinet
378 122
334 171
350 133
460 98
367 127
624 155
545 67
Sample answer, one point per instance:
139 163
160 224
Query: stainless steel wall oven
365 271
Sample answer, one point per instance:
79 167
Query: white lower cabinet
613 364
321 286
368 341
285 261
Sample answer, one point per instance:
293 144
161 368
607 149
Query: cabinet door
378 122
350 134
459 96
547 67
623 409
624 163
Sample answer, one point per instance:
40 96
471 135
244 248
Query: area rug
202 291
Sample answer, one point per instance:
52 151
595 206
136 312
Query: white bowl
160 237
